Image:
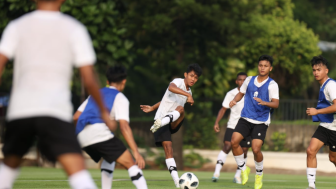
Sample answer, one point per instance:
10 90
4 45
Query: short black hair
116 74
241 73
267 58
196 68
319 60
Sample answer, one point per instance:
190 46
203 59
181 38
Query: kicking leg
134 171
168 119
313 148
221 159
171 164
107 174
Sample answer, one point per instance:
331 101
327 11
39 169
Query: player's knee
227 147
180 109
332 159
311 152
234 143
256 149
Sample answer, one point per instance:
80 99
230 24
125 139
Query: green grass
32 177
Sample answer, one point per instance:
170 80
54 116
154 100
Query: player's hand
216 128
232 103
112 125
260 102
146 108
190 100
139 160
311 111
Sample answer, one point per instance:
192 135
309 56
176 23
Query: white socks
137 177
171 165
238 171
7 176
220 162
259 167
311 176
240 162
107 174
82 180
166 120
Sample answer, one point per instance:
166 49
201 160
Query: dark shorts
246 142
255 131
328 137
54 137
164 133
110 150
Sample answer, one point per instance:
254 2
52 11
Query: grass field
55 178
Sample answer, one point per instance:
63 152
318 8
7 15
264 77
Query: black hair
116 74
319 60
241 73
267 58
196 68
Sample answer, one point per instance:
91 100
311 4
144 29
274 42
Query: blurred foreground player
46 45
325 114
234 117
99 142
170 114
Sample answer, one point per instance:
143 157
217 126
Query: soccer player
261 95
97 140
325 114
46 45
170 114
234 117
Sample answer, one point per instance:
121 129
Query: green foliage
279 141
194 160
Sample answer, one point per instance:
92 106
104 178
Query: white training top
235 110
330 94
45 46
99 132
171 101
273 92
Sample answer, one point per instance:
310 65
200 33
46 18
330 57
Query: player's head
265 65
116 76
320 67
192 74
241 76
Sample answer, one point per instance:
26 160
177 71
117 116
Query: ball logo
333 146
259 134
248 142
171 168
255 94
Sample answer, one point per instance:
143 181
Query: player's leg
170 118
221 158
18 138
177 123
245 144
319 138
170 161
332 146
107 170
241 131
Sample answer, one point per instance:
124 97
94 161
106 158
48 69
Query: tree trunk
177 139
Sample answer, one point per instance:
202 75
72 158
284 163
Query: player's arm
91 84
273 104
220 115
76 116
174 89
236 99
3 61
147 108
328 110
126 131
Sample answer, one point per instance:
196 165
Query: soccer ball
188 181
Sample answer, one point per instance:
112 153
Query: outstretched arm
147 108
220 115
128 135
327 110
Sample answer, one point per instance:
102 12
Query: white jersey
171 101
235 110
45 45
330 94
273 92
99 132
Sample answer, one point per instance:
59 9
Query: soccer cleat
244 175
258 181
237 180
214 179
156 126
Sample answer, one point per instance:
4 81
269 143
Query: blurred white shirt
235 110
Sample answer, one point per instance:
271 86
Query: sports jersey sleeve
228 98
243 88
9 40
83 105
177 82
330 89
121 107
83 51
273 90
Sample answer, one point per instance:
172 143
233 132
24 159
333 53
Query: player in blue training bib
325 114
261 94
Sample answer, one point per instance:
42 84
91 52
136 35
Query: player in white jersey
46 45
325 114
170 114
233 120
